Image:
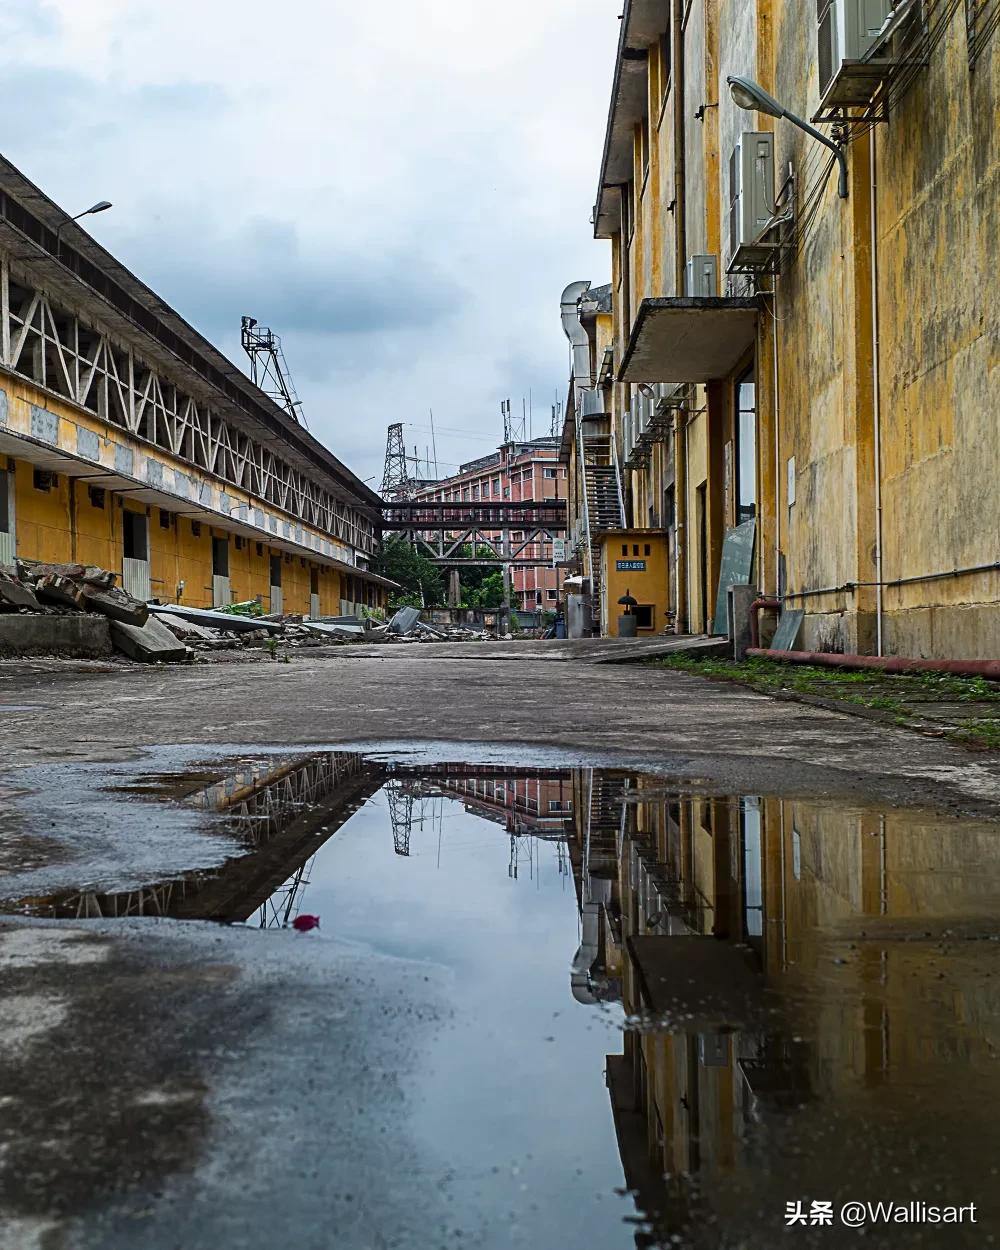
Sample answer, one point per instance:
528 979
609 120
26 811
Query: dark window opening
220 557
645 614
42 479
635 549
260 549
97 496
624 549
4 502
746 449
240 542
164 520
276 570
134 535
196 528
647 549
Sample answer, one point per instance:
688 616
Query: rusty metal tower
396 480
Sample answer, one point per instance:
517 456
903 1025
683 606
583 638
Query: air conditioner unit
751 203
703 275
847 32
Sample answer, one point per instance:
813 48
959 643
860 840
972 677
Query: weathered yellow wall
64 525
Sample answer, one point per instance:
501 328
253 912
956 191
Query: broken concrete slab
216 620
32 570
151 643
14 596
61 591
87 637
188 631
115 603
405 621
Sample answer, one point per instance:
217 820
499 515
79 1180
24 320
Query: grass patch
900 696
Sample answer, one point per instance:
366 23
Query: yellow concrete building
128 441
810 351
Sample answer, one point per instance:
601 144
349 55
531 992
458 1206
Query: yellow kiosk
635 563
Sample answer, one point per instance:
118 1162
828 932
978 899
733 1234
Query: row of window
494 489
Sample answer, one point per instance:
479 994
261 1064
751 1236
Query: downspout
777 452
680 265
680 162
876 407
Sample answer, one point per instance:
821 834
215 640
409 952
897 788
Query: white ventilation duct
576 334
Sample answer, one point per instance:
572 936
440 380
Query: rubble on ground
154 632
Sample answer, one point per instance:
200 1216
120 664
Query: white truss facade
82 363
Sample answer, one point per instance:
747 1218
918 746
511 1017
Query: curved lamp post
751 96
100 207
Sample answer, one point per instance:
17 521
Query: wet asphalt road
172 1085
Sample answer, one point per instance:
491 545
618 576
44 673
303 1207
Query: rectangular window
4 502
196 529
97 496
647 549
260 549
552 594
42 479
275 570
645 613
746 449
164 520
624 549
240 542
551 473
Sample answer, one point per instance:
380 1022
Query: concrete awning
689 339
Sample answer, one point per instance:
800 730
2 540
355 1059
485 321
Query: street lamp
751 96
100 207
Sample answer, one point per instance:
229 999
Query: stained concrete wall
932 387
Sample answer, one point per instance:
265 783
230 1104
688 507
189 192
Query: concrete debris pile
406 626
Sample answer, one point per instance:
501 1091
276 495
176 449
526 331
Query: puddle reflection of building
281 809
531 805
779 953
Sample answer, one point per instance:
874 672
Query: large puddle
677 1018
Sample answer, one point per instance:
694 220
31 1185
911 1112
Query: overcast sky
400 188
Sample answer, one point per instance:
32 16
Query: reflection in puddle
775 1001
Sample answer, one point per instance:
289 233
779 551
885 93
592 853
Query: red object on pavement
304 924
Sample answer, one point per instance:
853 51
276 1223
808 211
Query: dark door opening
135 535
276 570
220 557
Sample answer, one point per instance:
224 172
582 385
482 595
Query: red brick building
516 472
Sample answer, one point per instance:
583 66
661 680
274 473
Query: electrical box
847 33
751 203
702 275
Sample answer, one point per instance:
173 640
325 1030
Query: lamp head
99 207
751 96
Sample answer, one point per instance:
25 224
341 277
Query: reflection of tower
284 905
396 483
400 816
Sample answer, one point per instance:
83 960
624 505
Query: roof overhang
60 257
55 460
689 339
642 24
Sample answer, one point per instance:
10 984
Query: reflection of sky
512 1098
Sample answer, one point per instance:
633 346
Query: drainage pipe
763 601
882 663
876 405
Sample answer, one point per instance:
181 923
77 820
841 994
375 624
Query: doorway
701 529
222 594
135 560
277 599
7 516
314 604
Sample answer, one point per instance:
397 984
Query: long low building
128 441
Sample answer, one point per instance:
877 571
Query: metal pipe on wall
876 406
680 268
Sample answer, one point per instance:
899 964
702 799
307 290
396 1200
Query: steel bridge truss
79 361
509 533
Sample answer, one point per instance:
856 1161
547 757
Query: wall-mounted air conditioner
702 275
847 33
751 203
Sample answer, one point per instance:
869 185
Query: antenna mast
396 480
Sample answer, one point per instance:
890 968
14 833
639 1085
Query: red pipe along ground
881 663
